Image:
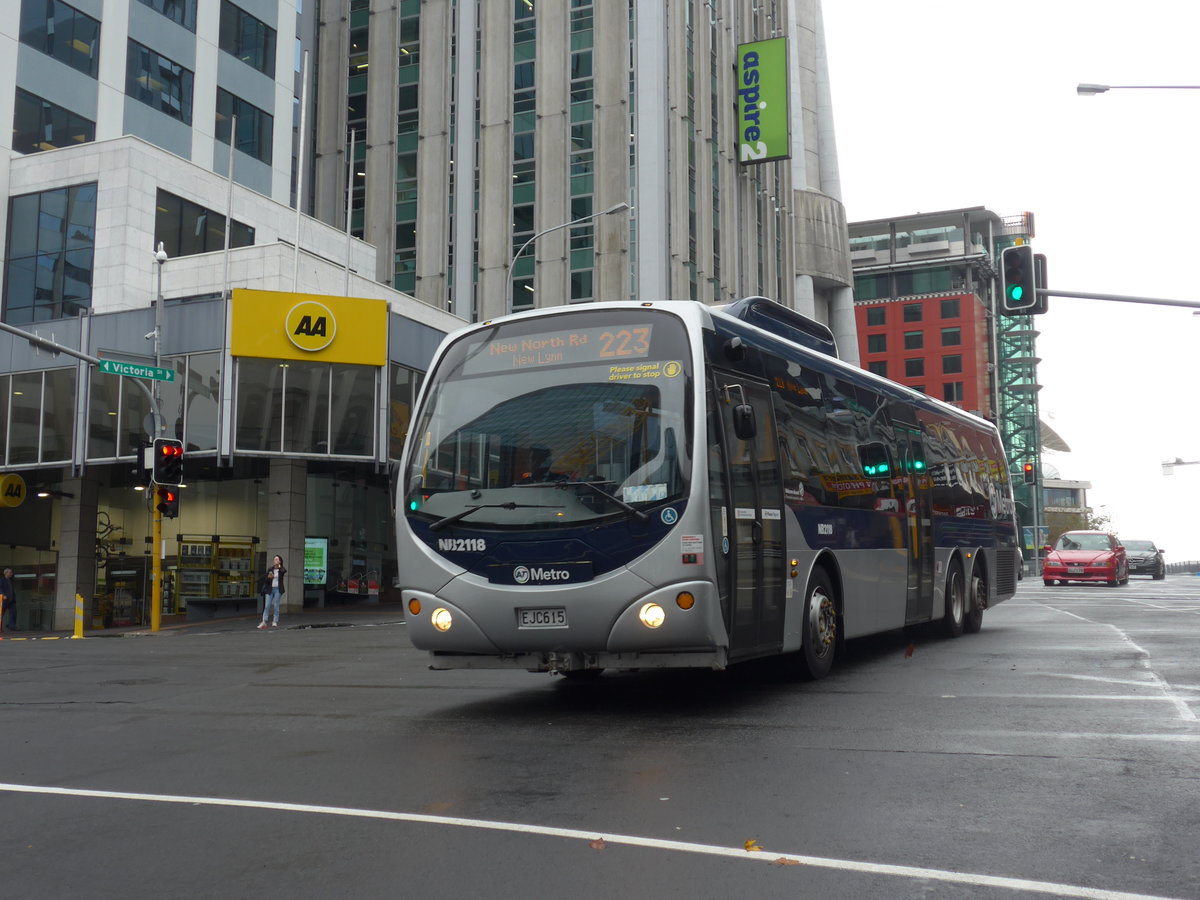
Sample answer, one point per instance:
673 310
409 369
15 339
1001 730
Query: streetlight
508 287
1091 90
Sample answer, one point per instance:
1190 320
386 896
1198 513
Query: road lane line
764 855
1181 705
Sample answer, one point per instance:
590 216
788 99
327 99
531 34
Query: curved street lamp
508 286
1091 90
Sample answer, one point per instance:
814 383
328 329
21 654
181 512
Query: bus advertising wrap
762 105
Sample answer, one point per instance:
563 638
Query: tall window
51 241
185 228
249 39
158 82
62 31
876 343
41 125
254 136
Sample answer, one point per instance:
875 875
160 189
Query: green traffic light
1015 292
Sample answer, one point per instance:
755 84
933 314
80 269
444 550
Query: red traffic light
1030 473
168 503
168 461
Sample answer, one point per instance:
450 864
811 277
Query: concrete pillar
287 516
76 551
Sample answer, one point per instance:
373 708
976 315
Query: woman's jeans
272 600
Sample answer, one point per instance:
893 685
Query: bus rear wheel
956 602
818 640
977 604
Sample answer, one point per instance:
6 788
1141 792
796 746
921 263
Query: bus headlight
441 619
651 615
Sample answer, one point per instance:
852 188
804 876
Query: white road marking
763 856
1181 706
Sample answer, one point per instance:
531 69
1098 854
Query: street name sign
136 370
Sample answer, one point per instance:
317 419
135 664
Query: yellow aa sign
311 326
12 490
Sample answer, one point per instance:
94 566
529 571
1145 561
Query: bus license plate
543 617
1074 570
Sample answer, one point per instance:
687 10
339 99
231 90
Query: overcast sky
941 104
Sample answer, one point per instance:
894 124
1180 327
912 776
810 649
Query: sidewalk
341 614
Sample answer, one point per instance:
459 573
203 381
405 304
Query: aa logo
12 490
311 326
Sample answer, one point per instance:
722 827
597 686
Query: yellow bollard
78 617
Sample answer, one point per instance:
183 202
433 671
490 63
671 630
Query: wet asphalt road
1054 754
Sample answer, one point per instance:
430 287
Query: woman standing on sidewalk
272 587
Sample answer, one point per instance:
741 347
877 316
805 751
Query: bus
667 484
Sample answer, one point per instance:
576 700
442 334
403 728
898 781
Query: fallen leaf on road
597 844
784 861
752 846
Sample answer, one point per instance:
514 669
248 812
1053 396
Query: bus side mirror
744 425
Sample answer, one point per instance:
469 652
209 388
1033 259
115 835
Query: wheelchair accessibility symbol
670 516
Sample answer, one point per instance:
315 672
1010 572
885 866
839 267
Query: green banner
763 125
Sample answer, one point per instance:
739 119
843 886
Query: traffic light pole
1122 298
156 565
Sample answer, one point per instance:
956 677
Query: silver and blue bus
639 485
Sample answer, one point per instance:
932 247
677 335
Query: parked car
1145 558
1085 556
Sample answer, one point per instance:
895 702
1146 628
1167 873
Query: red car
1085 556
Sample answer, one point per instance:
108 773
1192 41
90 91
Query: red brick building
922 285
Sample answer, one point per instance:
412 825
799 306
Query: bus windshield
554 421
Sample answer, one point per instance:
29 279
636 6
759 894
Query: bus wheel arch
821 628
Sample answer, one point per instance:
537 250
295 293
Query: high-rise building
476 127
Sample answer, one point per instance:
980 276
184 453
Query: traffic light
168 461
1020 287
1030 473
168 502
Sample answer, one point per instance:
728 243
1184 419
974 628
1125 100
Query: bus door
919 527
755 542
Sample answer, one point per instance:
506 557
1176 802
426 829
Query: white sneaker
274 624
262 626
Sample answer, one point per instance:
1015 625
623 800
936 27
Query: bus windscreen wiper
641 514
450 520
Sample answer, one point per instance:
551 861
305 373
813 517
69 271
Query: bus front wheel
818 642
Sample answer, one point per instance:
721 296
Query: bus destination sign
548 349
